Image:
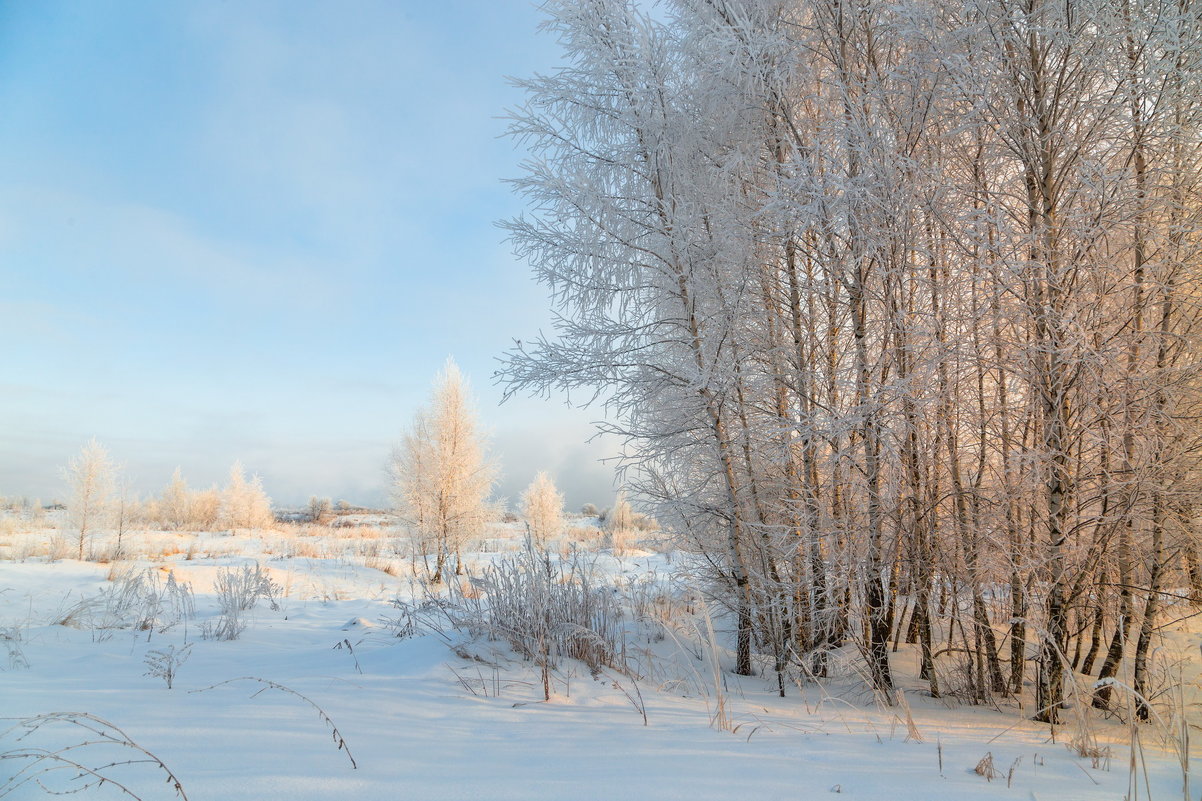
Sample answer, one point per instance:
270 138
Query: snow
438 716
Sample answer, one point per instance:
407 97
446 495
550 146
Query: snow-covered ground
443 716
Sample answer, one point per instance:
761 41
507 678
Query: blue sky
256 230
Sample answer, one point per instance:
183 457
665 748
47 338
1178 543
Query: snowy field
381 702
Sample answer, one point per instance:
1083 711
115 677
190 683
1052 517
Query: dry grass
912 733
311 541
331 533
986 768
25 546
10 525
545 610
620 541
21 540
339 740
1084 741
87 758
384 565
60 548
305 550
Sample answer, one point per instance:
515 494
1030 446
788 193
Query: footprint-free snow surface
432 716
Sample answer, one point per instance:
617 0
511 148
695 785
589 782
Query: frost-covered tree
320 509
620 523
125 510
90 478
244 503
441 473
205 506
542 509
910 311
620 518
175 504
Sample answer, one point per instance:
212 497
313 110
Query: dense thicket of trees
241 504
896 304
98 500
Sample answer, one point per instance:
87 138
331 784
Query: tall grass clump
546 608
138 599
238 590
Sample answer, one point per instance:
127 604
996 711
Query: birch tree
175 504
542 509
90 479
244 502
442 476
900 326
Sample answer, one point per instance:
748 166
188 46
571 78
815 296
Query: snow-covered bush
320 510
242 588
659 599
548 609
579 537
174 507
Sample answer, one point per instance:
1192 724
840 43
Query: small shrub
545 609
405 624
1084 742
548 610
320 510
